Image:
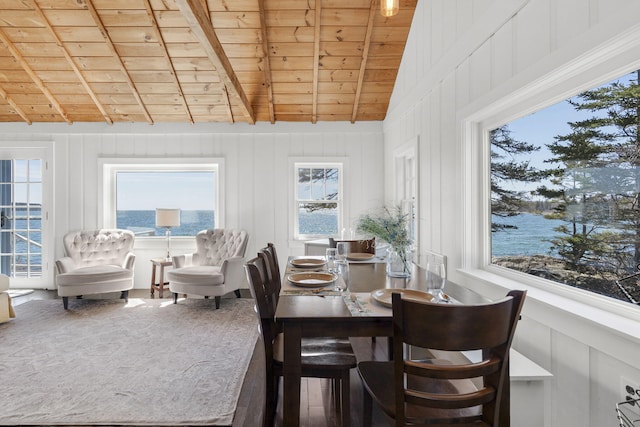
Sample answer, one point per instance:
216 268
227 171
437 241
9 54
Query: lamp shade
389 7
167 217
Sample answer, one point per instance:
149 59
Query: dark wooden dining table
328 315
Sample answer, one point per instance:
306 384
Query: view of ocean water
317 222
143 222
531 237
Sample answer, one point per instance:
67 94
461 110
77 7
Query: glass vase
399 261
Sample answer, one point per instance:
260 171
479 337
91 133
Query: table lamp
167 218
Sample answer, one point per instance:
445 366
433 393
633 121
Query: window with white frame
133 191
481 128
565 185
318 199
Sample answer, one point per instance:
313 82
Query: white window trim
597 66
343 209
109 166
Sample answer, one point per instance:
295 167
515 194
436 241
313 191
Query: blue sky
150 190
541 127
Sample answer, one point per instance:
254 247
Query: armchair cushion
98 273
198 275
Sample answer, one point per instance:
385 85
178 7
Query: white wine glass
331 255
343 250
436 272
342 270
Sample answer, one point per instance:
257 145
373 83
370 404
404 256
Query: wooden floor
317 407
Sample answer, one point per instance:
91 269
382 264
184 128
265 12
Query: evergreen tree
596 185
507 168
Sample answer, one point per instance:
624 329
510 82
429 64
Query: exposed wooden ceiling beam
316 62
116 56
365 55
15 106
72 63
172 70
18 56
225 92
198 20
266 62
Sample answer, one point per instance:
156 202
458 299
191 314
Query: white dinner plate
359 256
308 262
312 280
383 296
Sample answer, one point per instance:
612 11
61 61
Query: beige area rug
102 362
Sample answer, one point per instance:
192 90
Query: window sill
568 310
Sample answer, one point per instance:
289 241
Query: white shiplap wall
257 174
488 62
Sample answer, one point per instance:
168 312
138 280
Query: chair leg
65 302
367 408
345 393
175 297
237 292
271 401
125 296
218 302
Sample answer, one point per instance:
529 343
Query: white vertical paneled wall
257 172
464 61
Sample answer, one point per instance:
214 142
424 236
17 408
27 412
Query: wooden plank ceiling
198 60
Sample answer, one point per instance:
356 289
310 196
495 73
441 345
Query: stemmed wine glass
331 255
343 250
342 270
436 279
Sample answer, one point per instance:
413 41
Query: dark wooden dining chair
367 246
437 391
273 267
321 357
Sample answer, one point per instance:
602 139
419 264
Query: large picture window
318 199
565 191
134 191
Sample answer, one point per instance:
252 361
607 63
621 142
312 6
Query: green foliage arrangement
390 225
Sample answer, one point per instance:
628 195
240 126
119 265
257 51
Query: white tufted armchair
96 261
215 269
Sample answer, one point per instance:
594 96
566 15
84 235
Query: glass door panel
21 222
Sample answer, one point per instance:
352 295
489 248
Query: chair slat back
453 327
271 285
256 271
273 268
276 266
367 246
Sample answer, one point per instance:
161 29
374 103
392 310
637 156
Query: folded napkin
364 306
302 291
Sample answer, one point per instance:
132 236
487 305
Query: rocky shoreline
595 280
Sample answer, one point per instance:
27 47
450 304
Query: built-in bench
530 392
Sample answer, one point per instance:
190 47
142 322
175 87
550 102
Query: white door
25 195
406 186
